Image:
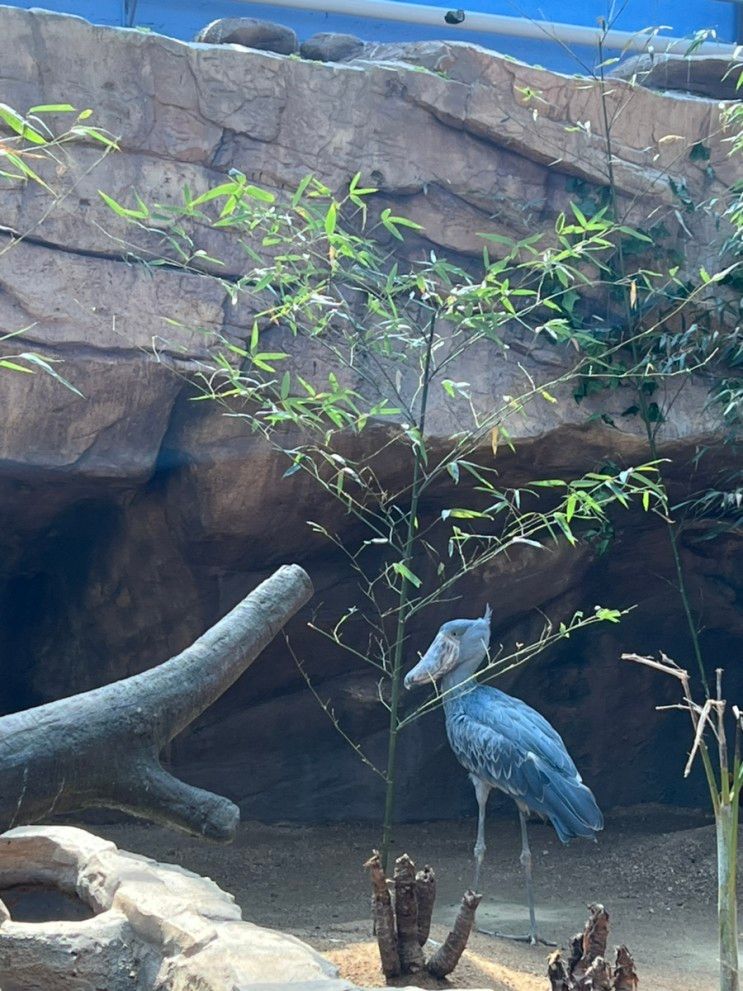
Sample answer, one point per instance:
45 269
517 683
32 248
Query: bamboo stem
402 605
727 910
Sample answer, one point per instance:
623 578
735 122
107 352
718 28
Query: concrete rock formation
153 926
250 32
131 517
331 47
699 75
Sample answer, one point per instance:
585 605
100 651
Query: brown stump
589 945
625 976
557 972
446 958
587 967
406 913
596 933
598 976
402 931
384 918
425 894
574 957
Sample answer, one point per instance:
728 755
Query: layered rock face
131 517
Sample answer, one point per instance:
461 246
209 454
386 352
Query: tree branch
101 748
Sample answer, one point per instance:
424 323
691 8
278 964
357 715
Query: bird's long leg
526 864
533 936
482 790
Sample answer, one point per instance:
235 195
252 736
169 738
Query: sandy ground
652 868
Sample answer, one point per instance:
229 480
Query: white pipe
516 27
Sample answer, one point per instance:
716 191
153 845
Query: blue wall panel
183 18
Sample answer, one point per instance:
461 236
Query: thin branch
329 712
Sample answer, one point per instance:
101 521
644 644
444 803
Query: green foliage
389 331
391 326
33 147
390 335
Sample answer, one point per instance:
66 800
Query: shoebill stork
504 744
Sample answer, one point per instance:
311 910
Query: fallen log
102 748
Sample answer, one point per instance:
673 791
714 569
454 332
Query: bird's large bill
440 658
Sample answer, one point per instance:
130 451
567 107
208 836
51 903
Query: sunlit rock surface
131 517
153 926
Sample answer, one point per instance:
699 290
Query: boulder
709 76
154 926
250 32
331 47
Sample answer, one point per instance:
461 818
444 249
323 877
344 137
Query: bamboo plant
724 782
393 326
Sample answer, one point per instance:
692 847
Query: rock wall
130 517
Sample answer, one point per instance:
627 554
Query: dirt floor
652 868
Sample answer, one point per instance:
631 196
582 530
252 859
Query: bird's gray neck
460 681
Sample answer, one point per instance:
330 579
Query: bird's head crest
458 641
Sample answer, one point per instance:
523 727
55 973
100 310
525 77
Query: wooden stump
406 913
625 977
384 917
402 929
446 958
425 893
587 968
557 972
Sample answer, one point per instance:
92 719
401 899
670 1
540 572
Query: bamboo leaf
331 218
52 108
224 189
14 367
407 574
35 359
122 211
20 125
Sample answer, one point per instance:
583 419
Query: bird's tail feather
573 809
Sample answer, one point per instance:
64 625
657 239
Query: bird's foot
534 939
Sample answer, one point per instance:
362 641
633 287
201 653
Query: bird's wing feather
526 727
508 743
505 742
494 757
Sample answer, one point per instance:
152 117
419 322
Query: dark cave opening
44 590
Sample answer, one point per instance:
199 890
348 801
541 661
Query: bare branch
102 748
